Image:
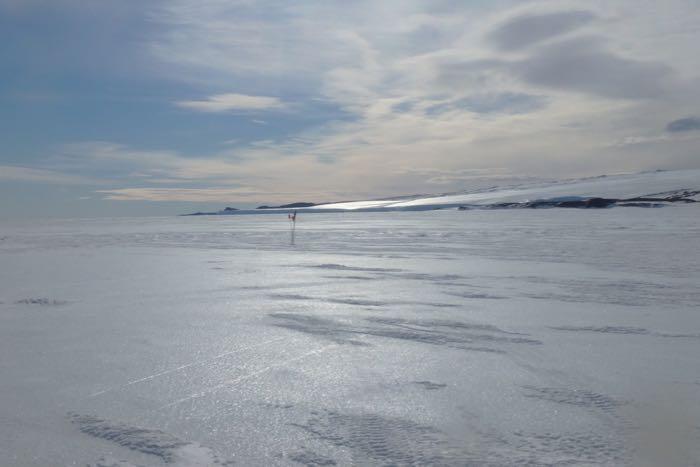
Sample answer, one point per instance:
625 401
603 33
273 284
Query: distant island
230 210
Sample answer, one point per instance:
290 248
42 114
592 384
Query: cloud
683 124
583 64
640 140
687 135
230 101
222 195
291 45
530 28
474 177
118 162
494 103
27 174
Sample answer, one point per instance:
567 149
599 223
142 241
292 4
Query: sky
123 107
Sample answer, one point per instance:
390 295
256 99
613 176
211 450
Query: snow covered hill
647 189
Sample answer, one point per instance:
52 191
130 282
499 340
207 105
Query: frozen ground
518 337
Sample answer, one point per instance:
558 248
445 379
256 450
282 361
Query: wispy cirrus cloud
232 102
214 195
29 174
118 162
482 176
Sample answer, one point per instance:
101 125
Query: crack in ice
182 367
246 377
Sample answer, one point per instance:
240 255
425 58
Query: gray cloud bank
684 124
528 29
583 64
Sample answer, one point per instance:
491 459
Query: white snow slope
606 186
486 337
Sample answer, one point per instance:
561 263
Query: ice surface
537 337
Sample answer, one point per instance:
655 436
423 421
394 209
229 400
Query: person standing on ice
293 224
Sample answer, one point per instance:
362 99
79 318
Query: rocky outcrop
289 206
594 203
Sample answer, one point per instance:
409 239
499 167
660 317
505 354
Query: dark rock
587 203
289 206
641 205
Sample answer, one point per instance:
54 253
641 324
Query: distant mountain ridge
646 189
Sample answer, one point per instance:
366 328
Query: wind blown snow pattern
169 449
482 337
